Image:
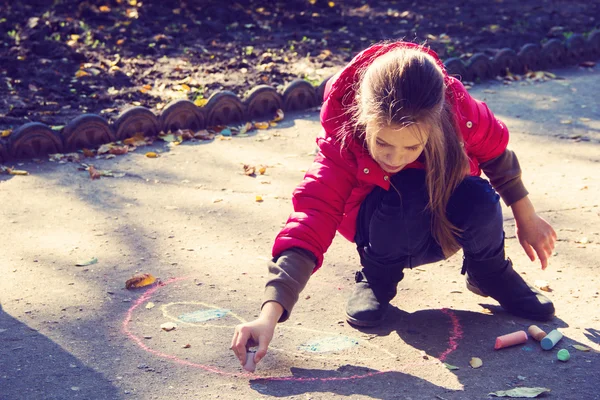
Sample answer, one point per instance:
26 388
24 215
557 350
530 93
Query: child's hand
258 332
535 234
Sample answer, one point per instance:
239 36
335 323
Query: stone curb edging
35 139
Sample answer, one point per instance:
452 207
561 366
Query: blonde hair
405 87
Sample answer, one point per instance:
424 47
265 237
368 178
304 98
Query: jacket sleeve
504 173
319 202
485 136
288 275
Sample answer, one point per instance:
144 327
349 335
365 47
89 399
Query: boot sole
363 324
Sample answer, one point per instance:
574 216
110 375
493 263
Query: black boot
371 297
498 279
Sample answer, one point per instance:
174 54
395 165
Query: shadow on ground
40 368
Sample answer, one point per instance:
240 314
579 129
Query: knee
475 198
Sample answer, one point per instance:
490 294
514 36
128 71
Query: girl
398 173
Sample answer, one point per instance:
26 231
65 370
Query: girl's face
393 148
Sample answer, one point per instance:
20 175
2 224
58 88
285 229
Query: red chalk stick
510 339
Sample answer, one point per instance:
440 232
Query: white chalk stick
250 365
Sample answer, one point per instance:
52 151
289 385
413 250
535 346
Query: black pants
394 229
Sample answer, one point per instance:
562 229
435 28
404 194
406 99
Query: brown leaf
119 150
249 170
204 135
94 174
140 280
186 134
88 153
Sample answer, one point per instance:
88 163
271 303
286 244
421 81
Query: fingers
544 252
238 344
528 250
263 345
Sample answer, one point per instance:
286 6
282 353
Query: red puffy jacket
329 197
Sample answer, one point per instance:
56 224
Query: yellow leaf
475 362
140 280
17 172
581 348
261 125
150 305
81 73
105 148
258 199
185 87
120 42
104 9
6 133
262 170
136 140
168 138
313 2
331 4
151 154
200 102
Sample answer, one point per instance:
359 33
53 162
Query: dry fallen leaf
140 280
261 125
88 153
94 174
522 392
204 135
168 326
6 133
451 367
200 102
262 170
581 348
81 73
258 199
475 362
136 140
150 305
278 115
17 172
542 285
249 170
91 261
118 150
151 154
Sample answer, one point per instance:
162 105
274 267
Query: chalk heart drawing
330 347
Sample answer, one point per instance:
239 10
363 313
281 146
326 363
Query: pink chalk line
456 334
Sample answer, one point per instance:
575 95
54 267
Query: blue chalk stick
551 339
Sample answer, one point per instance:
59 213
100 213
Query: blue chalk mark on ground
526 348
328 344
203 315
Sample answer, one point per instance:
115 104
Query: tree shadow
35 367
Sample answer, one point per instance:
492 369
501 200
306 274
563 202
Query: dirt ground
190 217
63 58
